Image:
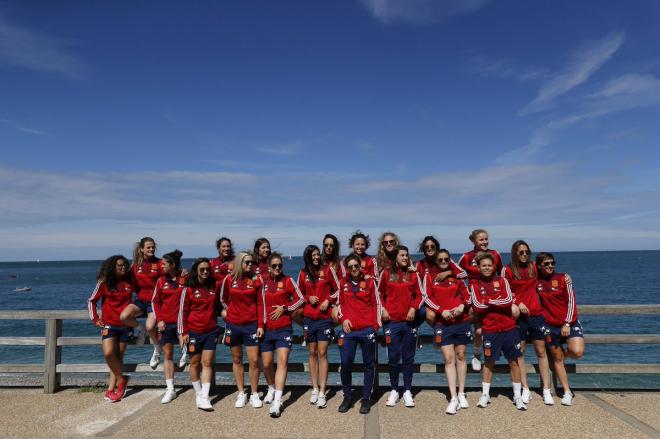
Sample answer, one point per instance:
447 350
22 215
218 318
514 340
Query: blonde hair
137 254
382 258
238 263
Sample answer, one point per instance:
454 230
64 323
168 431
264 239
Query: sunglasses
354 267
203 269
389 241
276 266
523 252
328 245
548 264
444 259
429 247
248 262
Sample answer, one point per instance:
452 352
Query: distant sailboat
22 289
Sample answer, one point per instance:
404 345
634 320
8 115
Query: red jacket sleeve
505 300
157 299
93 300
418 292
261 308
297 298
464 263
224 292
184 309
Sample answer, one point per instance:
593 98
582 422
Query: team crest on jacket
363 264
234 284
197 294
555 283
363 284
496 284
154 267
250 282
321 275
280 285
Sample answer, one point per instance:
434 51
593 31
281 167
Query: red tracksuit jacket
146 276
468 262
524 289
492 298
325 288
198 310
114 302
557 299
239 298
445 295
277 292
359 302
398 296
424 268
167 298
220 268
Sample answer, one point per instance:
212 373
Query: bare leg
312 348
282 368
461 367
150 325
560 370
208 358
544 366
521 365
130 314
237 367
168 364
110 348
450 368
575 348
323 365
269 367
195 367
253 371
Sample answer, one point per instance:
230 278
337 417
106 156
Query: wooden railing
53 342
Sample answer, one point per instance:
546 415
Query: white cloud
287 149
34 50
584 62
419 12
23 128
504 69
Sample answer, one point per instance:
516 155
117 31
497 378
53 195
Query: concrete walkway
75 413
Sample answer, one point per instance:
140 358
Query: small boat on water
22 289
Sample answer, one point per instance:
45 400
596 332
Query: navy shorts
122 333
532 328
276 339
496 343
204 341
318 330
237 335
457 334
555 333
169 335
145 307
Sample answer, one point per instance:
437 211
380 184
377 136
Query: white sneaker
184 358
484 400
392 399
547 397
520 405
314 396
155 359
275 408
203 403
170 394
241 399
270 395
321 401
408 400
462 401
255 402
453 407
526 395
476 364
567 399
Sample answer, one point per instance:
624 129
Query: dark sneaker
345 405
365 406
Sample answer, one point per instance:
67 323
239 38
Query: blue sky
537 120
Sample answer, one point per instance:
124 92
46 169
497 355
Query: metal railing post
52 355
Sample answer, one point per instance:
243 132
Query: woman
279 297
317 286
560 312
261 253
387 245
429 263
223 264
491 297
359 313
521 274
165 303
146 269
115 287
359 243
401 293
198 327
468 262
238 296
448 298
330 258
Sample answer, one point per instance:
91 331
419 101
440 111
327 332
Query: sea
602 277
